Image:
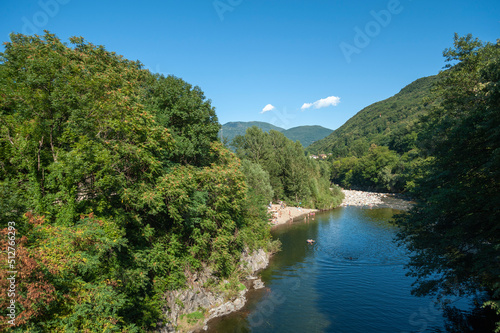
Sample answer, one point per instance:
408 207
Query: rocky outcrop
196 296
254 261
227 307
258 284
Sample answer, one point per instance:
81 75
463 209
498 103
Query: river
351 280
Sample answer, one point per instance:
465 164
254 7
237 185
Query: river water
351 280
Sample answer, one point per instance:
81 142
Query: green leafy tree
73 133
379 169
188 115
76 140
291 173
453 230
258 181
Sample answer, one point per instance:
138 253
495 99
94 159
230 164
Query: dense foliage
377 148
292 176
187 114
380 169
117 186
454 231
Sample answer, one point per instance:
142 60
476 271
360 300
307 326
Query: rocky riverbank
375 200
191 308
209 303
281 215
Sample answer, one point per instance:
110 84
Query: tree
291 175
117 186
379 169
74 134
257 180
187 114
375 169
453 231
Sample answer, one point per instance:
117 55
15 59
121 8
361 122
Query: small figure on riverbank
310 241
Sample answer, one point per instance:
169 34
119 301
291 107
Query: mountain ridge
380 123
306 134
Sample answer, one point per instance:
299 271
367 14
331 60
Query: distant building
313 156
322 156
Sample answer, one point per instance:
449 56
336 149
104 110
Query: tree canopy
117 186
187 114
453 231
292 176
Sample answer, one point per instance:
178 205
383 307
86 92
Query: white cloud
306 106
267 108
322 103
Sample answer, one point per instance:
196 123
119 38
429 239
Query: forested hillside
377 148
232 129
305 134
385 123
113 188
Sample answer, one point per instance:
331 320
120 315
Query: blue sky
310 62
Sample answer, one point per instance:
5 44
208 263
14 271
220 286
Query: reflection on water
351 280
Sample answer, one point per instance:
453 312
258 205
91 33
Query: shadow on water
352 279
477 319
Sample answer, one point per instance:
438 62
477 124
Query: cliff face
196 297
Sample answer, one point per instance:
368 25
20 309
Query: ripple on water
351 280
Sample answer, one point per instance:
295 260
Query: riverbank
191 308
281 215
354 270
365 199
287 214
375 200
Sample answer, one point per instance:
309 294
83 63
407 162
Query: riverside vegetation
439 141
285 171
120 189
